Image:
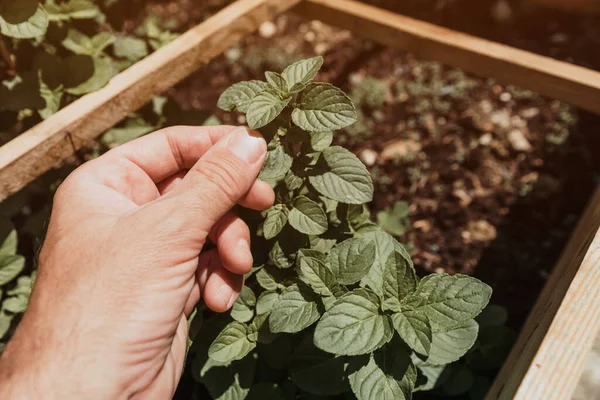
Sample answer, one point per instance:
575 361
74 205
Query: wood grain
40 148
549 356
560 80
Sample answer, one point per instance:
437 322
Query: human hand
121 269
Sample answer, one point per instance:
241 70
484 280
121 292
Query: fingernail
226 294
247 145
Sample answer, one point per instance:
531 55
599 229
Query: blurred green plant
394 220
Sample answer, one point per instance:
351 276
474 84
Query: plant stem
8 59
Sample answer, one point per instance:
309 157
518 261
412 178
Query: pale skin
122 264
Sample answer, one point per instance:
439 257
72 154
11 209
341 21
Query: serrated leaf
449 300
266 280
391 304
275 219
323 107
264 108
394 220
300 73
295 310
385 244
103 72
130 48
265 302
79 43
318 372
319 141
243 308
344 178
23 19
316 275
307 216
351 259
449 346
388 375
9 244
352 326
400 278
279 258
292 181
276 165
10 268
71 9
239 96
52 97
414 329
231 344
277 82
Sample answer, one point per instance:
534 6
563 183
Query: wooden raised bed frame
548 358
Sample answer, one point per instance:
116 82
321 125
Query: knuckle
225 176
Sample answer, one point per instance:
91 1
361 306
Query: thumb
217 182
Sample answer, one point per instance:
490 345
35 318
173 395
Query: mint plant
333 305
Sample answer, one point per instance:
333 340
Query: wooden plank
40 148
560 80
548 358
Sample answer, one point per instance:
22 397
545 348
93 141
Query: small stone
356 78
518 122
505 97
399 148
241 119
502 12
320 48
529 113
485 139
501 119
480 231
486 106
368 157
233 54
309 36
267 29
518 141
422 225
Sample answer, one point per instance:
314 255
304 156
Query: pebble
505 97
485 139
501 118
529 113
518 141
399 148
480 231
267 29
241 119
310 36
368 157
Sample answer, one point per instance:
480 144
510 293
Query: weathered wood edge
563 81
548 358
43 146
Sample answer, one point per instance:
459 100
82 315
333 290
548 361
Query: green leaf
318 372
357 214
239 96
5 321
414 329
389 375
344 177
23 19
23 287
10 268
52 97
391 304
295 310
352 326
292 181
243 308
231 382
130 48
385 244
275 219
71 9
492 315
324 245
25 94
351 259
449 346
103 72
277 82
279 257
319 141
260 331
276 165
79 43
265 302
9 244
400 278
448 300
316 275
300 73
133 129
264 108
231 344
16 304
394 220
269 279
307 216
323 107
